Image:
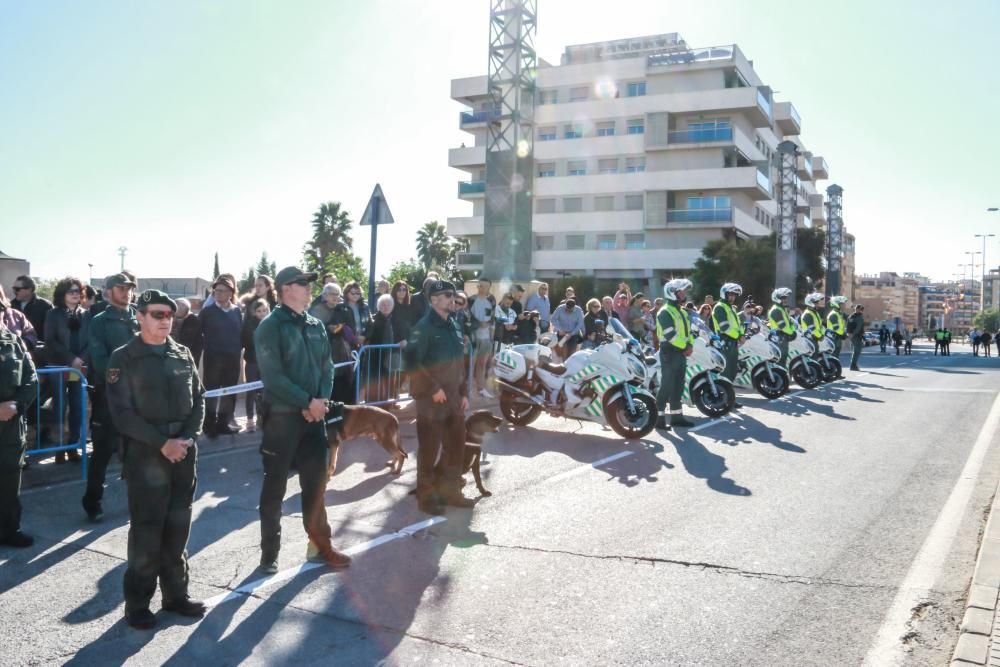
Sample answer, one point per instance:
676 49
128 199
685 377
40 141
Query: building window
544 242
721 201
606 129
635 241
572 204
637 126
574 241
633 202
607 241
576 168
572 132
635 165
636 89
548 96
604 203
546 133
545 206
578 94
546 170
607 166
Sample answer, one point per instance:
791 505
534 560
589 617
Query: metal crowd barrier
386 386
56 390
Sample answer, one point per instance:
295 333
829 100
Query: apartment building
644 150
991 287
888 297
949 304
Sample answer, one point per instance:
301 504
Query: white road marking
587 466
919 580
935 390
291 573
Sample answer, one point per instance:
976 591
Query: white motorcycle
805 370
704 388
760 366
830 366
603 385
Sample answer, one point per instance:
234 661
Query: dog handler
438 383
18 386
157 402
293 354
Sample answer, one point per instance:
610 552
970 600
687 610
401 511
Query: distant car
871 338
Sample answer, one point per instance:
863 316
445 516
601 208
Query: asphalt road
831 527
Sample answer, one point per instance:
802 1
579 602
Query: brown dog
366 420
478 424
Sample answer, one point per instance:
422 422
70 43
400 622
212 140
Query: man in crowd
482 309
539 303
34 307
18 386
856 329
221 323
110 329
419 303
187 329
673 328
567 322
438 384
157 401
293 354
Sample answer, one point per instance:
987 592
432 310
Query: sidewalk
979 641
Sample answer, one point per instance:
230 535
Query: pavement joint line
290 573
919 580
588 466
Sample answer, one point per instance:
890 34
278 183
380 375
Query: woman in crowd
66 345
257 310
385 362
634 321
89 295
351 327
591 332
263 288
506 320
402 310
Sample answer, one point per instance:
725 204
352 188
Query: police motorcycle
704 388
760 366
823 352
805 370
603 385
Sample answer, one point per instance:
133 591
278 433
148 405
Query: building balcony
749 180
471 189
820 168
467 118
469 260
700 215
622 259
469 88
467 156
803 167
465 226
724 134
787 119
817 209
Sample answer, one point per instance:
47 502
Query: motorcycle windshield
620 329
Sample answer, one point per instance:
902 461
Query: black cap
118 280
439 286
291 274
154 297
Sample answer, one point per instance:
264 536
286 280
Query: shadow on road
699 462
641 467
748 430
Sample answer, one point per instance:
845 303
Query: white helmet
674 286
814 298
730 288
838 301
781 294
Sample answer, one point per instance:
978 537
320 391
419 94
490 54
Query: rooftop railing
700 215
700 135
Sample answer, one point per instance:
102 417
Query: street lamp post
982 286
972 274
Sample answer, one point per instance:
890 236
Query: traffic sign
377 210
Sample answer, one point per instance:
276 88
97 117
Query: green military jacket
108 331
294 357
436 357
154 392
18 383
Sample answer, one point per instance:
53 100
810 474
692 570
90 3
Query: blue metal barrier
56 390
386 363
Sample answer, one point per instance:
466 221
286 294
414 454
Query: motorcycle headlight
718 360
637 368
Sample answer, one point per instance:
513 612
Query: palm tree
433 245
331 235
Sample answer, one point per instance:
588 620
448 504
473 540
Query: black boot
222 427
209 427
679 420
661 423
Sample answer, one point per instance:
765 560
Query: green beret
154 297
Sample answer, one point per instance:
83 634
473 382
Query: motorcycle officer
673 329
726 322
811 322
836 323
779 320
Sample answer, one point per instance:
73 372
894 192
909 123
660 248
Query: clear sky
183 128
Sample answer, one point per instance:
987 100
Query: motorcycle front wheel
771 389
806 375
632 425
714 404
519 413
832 370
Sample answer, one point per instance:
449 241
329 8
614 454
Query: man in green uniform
779 320
836 323
856 328
296 367
811 322
18 387
112 328
438 384
726 322
673 329
157 402
947 342
939 341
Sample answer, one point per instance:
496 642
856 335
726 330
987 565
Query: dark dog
366 420
478 424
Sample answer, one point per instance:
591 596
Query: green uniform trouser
838 345
783 347
731 351
12 433
859 344
673 364
160 494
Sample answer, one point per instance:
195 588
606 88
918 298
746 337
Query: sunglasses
18 287
459 302
161 314
72 291
447 295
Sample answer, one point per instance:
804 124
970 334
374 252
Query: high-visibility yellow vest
682 325
779 320
835 320
735 326
811 319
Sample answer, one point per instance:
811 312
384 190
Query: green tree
331 235
409 271
987 320
265 267
45 287
215 267
246 281
347 267
434 246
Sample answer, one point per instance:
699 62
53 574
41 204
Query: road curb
977 629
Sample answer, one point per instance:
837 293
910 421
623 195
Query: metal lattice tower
834 238
786 192
510 164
